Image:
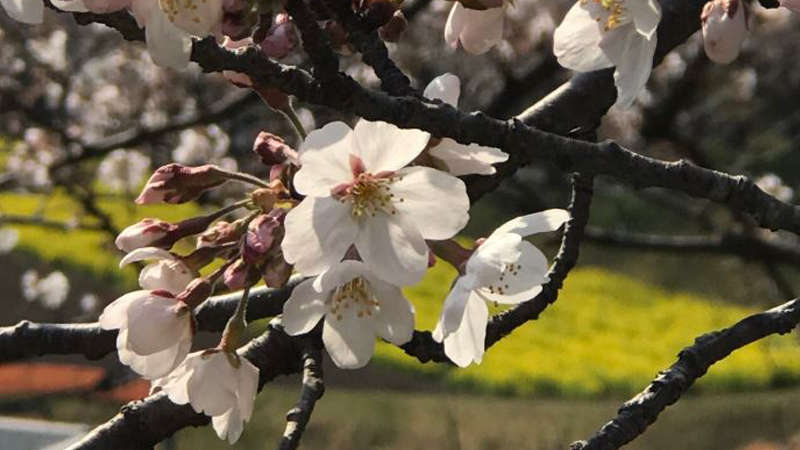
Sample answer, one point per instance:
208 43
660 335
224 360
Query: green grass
607 333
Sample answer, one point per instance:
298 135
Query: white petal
175 384
248 387
540 222
632 54
318 233
25 11
170 276
229 426
576 42
157 364
481 30
488 262
467 159
385 147
168 46
70 5
523 283
115 315
392 249
350 340
212 386
453 310
339 274
433 201
466 344
395 322
305 308
455 23
198 18
154 325
446 88
646 15
325 159
145 253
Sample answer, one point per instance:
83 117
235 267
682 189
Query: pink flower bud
147 233
281 38
264 231
196 293
724 29
175 183
271 150
220 233
276 272
238 19
239 276
394 28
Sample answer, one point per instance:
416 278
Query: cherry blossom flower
155 331
478 30
219 384
460 159
357 192
168 45
504 269
597 34
197 17
25 11
356 306
724 29
168 273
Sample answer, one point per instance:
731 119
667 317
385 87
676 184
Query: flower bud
238 19
146 233
196 293
338 37
239 276
267 198
276 271
175 183
281 38
221 233
271 149
724 29
394 28
264 231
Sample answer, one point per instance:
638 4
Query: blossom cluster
359 213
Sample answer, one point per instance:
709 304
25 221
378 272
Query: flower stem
291 114
236 325
246 178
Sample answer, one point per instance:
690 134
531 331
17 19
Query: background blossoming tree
335 179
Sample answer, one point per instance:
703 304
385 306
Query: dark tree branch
313 388
28 340
693 362
373 51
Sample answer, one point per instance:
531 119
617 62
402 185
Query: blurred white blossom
123 170
8 239
773 185
51 291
